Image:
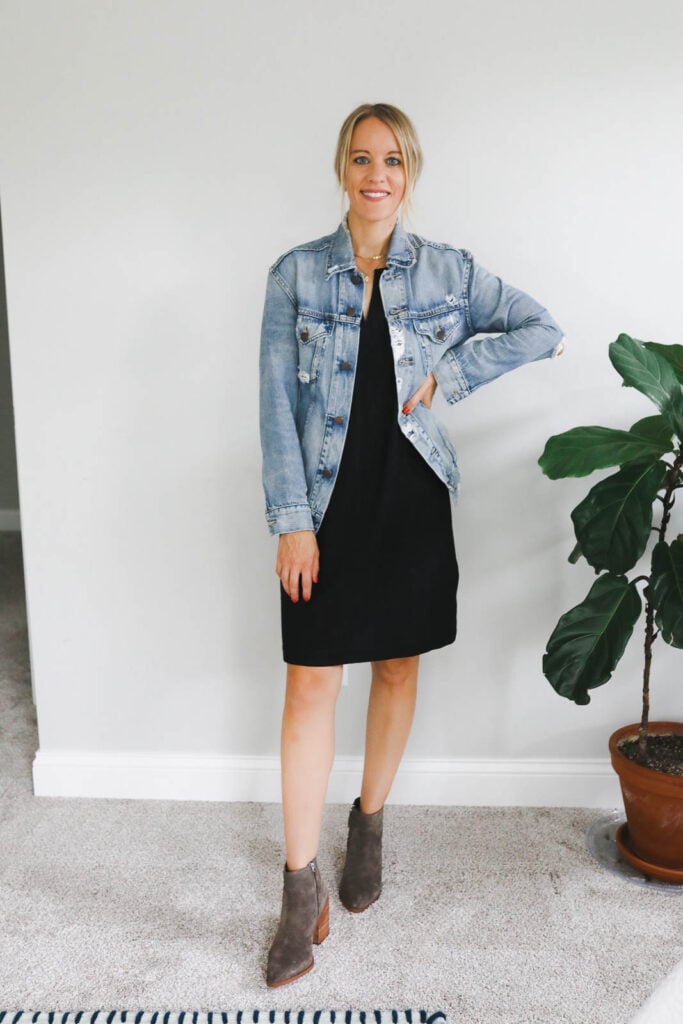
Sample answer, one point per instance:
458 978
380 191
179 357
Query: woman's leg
391 708
307 753
390 715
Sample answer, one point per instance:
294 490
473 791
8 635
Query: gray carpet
496 916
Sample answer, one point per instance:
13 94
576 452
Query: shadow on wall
9 491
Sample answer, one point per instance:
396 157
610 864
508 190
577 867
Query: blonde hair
406 136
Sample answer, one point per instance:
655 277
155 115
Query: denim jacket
435 298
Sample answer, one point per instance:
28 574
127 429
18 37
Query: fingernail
406 409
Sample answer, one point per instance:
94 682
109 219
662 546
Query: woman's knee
312 687
396 671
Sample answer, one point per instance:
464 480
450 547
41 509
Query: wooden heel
322 928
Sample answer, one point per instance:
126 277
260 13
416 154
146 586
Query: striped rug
222 1017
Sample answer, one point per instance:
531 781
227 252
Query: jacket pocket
438 330
312 333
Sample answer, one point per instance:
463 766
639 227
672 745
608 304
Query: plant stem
669 498
667 502
649 638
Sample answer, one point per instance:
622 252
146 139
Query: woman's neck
370 237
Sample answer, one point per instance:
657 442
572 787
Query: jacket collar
340 255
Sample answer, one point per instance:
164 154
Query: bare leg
391 707
307 753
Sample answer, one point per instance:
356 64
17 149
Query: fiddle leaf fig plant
614 524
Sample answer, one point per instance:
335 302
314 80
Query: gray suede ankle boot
361 881
305 919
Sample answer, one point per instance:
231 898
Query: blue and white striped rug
222 1017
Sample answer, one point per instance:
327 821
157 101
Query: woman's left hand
424 394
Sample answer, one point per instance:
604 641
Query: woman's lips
375 195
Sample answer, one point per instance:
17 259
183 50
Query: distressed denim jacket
435 297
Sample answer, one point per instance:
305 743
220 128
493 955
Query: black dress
388 573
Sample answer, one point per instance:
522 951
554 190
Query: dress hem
354 658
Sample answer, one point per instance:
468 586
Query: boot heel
322 928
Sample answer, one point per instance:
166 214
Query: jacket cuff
288 518
450 378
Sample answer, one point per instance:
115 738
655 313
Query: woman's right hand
298 555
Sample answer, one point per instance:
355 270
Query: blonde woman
359 327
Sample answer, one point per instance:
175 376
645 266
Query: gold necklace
381 256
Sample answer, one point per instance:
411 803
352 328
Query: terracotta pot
652 838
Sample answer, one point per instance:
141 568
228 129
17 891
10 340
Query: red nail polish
406 410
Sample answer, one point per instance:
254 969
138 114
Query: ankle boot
305 919
361 881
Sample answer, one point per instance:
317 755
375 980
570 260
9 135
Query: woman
358 329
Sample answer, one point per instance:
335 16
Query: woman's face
375 178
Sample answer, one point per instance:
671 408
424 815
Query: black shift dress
388 573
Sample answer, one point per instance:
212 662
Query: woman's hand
298 555
424 394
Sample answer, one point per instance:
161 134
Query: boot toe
282 970
357 899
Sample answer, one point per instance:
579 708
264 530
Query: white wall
9 497
155 157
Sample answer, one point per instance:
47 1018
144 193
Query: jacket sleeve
284 482
529 333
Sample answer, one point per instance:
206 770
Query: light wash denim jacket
435 298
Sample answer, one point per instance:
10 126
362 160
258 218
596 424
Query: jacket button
350 310
304 334
327 472
356 279
441 334
338 419
346 366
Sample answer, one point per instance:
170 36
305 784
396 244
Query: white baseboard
10 520
541 782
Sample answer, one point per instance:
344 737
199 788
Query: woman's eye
360 160
393 161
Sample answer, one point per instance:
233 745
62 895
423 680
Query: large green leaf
673 355
613 522
649 372
666 590
582 450
590 638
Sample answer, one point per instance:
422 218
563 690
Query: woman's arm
530 333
